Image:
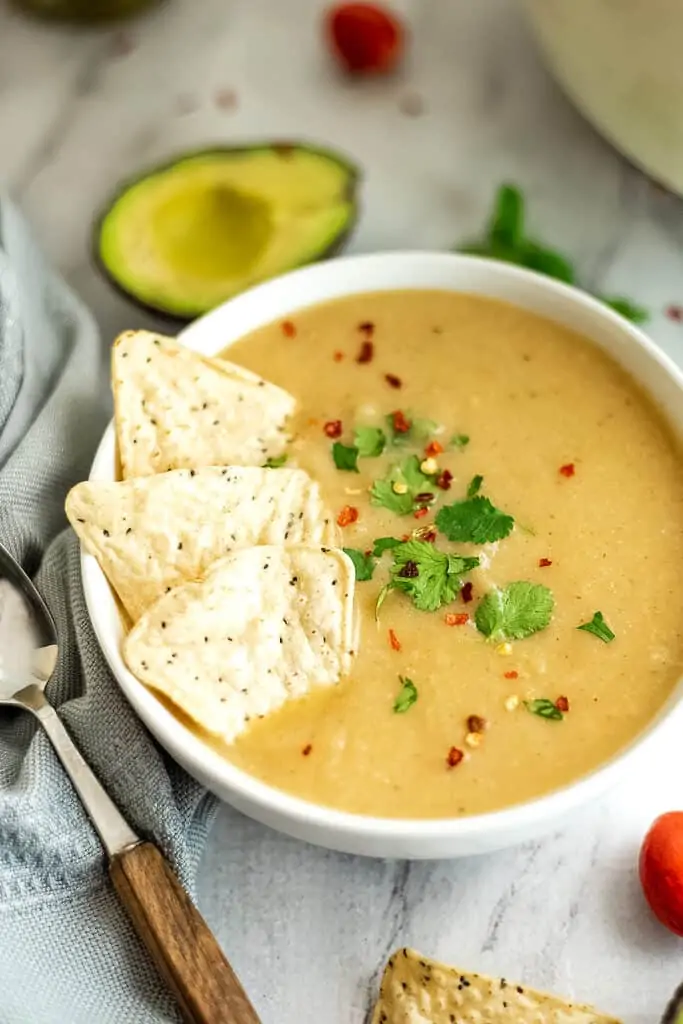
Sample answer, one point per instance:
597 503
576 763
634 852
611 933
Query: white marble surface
307 929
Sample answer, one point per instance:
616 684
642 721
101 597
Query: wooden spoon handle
178 938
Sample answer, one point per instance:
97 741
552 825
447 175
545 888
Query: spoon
174 932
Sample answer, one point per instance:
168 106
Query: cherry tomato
661 870
366 38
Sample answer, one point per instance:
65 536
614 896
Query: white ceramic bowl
283 297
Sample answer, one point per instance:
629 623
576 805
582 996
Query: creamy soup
439 719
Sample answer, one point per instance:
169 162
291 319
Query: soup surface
570 448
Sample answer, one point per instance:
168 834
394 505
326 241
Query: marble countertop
306 929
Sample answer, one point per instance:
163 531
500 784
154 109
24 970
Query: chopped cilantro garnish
363 564
370 441
474 486
408 478
544 708
505 239
275 461
383 544
345 456
431 577
459 441
514 612
474 521
407 695
598 627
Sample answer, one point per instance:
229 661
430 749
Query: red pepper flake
475 723
568 469
348 515
456 618
420 512
400 422
544 563
288 329
338 356
367 328
406 536
225 99
433 448
454 757
675 313
307 749
562 704
511 674
466 592
392 380
367 351
333 428
394 641
444 480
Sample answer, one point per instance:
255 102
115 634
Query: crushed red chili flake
466 592
433 448
333 428
424 498
426 533
544 563
348 515
420 513
675 313
562 704
454 757
409 571
392 380
400 422
367 327
511 674
338 356
456 618
568 469
444 480
394 641
475 723
366 353
288 329
307 749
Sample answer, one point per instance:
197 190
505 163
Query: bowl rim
221 775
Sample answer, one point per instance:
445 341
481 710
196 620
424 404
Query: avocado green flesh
188 236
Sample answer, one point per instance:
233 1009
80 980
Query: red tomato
366 38
661 870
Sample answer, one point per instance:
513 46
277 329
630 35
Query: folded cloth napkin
67 952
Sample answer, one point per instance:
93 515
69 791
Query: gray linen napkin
67 952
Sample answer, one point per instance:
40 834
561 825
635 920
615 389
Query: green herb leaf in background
430 577
515 612
506 227
598 627
474 486
633 312
544 708
362 563
345 457
370 441
474 521
407 695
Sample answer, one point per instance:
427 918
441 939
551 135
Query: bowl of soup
501 457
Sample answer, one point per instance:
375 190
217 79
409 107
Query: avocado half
186 236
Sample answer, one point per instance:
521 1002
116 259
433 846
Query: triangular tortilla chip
175 409
153 533
416 990
265 625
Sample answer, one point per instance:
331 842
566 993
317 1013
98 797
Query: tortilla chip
416 990
175 409
153 533
267 624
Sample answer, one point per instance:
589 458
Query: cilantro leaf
407 695
345 457
430 577
406 474
474 486
598 627
370 441
474 520
631 310
275 461
514 612
544 708
362 563
383 544
546 261
459 441
506 227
